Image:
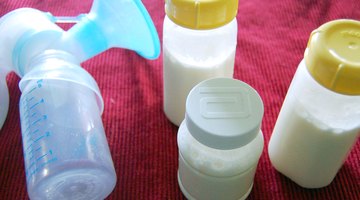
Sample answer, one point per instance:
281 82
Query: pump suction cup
113 23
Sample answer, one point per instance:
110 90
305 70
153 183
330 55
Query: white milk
181 74
307 151
314 132
191 55
217 171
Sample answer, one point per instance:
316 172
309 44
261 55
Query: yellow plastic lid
333 56
201 14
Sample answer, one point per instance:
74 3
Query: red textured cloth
271 41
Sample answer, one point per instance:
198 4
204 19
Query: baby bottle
64 142
199 42
220 141
319 120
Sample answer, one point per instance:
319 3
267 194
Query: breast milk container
220 141
65 148
199 42
319 121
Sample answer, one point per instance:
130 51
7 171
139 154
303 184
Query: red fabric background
271 41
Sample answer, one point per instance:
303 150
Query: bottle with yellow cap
319 121
199 42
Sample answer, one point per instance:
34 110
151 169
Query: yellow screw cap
201 14
333 56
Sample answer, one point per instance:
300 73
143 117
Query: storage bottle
199 42
319 121
220 141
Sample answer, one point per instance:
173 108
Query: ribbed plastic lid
333 56
201 14
224 113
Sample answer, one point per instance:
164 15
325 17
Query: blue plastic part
114 23
152 29
90 38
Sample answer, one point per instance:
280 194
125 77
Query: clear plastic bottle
319 120
199 42
220 141
65 148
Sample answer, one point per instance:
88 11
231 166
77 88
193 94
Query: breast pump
65 148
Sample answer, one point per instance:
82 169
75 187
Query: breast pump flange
65 149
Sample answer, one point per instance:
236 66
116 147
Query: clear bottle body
65 147
208 173
4 94
191 56
314 132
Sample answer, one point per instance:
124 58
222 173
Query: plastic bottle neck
51 56
60 65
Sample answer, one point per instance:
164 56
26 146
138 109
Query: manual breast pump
65 148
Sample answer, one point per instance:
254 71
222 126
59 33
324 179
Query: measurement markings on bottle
37 156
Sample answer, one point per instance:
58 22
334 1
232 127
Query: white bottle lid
224 113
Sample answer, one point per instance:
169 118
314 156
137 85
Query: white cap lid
224 113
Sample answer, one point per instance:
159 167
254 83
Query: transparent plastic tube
67 19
